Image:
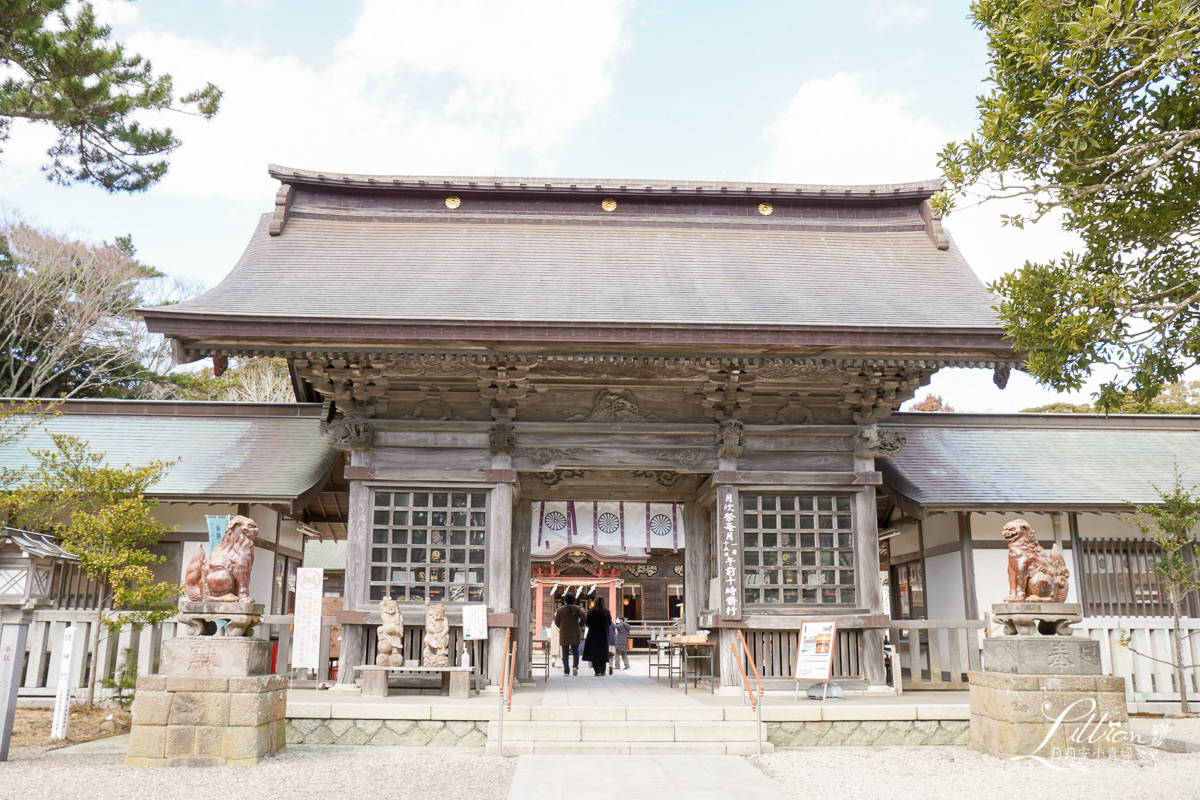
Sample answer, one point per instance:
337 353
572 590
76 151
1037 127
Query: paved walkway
659 777
628 687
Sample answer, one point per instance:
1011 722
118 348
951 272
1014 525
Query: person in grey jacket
618 635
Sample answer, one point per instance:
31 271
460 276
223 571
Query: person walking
569 619
619 636
595 646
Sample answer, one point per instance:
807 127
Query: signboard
306 637
474 621
814 656
730 569
72 638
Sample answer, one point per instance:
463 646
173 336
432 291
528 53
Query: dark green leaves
63 70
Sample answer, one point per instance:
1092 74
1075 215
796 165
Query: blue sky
856 92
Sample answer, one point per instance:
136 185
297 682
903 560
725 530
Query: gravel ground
32 773
953 773
1179 728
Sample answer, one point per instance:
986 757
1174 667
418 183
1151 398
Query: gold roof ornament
608 204
766 209
453 202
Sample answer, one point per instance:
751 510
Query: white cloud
414 88
882 15
841 130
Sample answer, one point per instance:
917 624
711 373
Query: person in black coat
595 646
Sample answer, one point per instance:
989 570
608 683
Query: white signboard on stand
474 624
306 637
72 638
814 656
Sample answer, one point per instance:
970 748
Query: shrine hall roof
1023 461
227 452
370 258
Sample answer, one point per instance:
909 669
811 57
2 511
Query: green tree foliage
68 326
61 69
1178 398
1094 116
1172 525
101 515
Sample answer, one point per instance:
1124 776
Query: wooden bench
456 681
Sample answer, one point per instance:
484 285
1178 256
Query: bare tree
67 321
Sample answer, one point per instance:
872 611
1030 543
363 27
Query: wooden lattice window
797 550
428 546
1118 582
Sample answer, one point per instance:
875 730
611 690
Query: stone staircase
628 731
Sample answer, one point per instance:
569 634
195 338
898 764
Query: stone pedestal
214 703
1041 694
1048 716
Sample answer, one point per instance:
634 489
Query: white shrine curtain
612 525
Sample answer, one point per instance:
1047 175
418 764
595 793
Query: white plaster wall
988 526
262 576
943 587
1105 526
268 523
189 519
290 536
940 529
904 543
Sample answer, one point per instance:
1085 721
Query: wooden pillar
866 574
612 600
729 571
966 551
695 577
499 574
352 652
537 608
522 520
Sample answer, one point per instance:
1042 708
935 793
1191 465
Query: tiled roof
589 273
42 545
230 452
1026 460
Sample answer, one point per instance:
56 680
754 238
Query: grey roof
520 270
1026 460
228 452
41 545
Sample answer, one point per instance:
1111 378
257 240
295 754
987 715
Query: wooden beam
967 553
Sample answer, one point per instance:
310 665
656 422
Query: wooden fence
936 653
774 653
1145 679
44 649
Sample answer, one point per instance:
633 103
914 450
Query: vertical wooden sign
72 638
12 657
731 555
306 640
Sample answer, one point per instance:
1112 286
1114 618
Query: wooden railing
44 649
936 653
775 653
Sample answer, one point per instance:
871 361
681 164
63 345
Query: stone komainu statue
389 637
1034 576
224 575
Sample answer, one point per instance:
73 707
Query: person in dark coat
595 647
569 620
619 636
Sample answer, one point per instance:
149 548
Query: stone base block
205 720
1048 716
1042 655
209 656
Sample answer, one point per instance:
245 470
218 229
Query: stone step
617 748
671 731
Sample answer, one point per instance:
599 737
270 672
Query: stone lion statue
389 637
436 652
224 575
1034 576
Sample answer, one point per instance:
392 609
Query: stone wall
388 732
188 720
862 733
